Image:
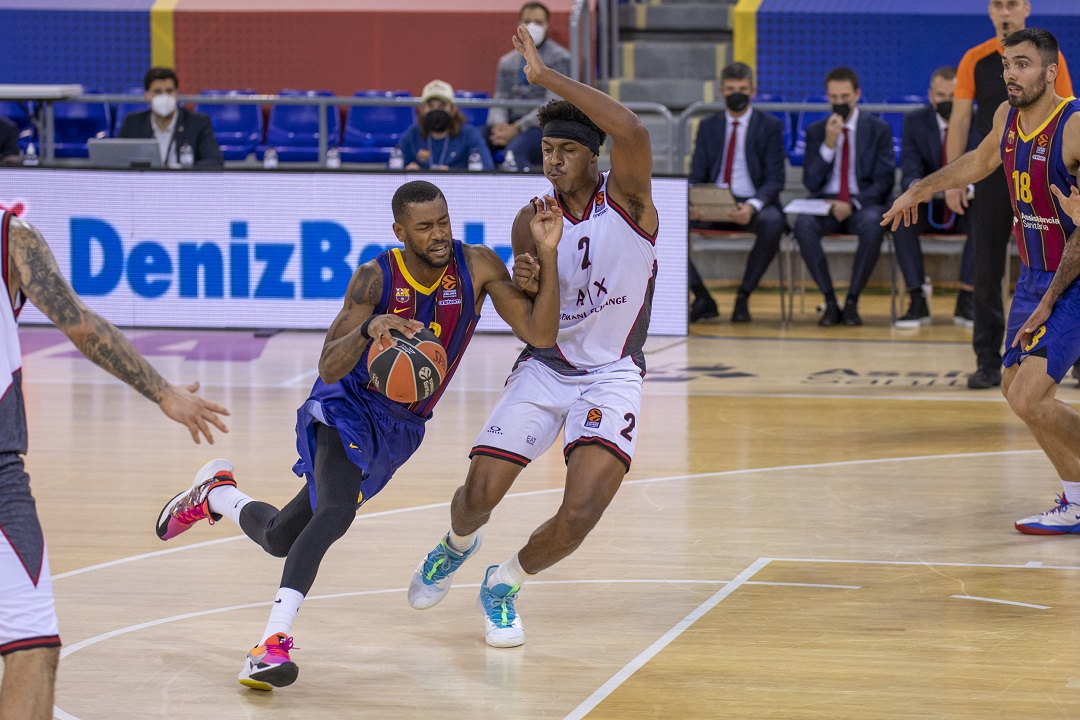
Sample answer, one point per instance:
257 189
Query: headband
571 130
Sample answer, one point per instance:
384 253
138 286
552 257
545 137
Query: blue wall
893 45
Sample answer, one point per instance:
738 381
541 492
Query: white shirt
165 140
741 184
829 154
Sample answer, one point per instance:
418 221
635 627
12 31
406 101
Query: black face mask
436 121
737 102
944 109
843 110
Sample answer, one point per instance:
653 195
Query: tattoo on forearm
107 348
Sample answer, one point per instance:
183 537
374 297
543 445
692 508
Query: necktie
947 215
845 167
729 155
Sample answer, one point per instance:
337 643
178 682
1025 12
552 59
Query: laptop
715 203
124 152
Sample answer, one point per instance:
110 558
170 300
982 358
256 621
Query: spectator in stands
9 142
176 128
979 82
517 129
441 139
923 152
742 150
849 162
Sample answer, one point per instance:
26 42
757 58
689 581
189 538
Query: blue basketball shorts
1059 337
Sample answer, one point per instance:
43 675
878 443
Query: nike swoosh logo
400 310
353 446
1008 149
278 600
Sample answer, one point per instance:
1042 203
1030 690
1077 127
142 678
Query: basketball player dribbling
1036 135
350 438
590 382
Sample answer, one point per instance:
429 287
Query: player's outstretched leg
503 624
434 575
268 665
191 506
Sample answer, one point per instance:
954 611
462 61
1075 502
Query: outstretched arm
99 340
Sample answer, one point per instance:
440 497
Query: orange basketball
411 369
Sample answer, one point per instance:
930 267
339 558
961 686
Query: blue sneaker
433 577
1059 520
502 621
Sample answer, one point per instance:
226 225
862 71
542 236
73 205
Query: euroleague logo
601 208
593 418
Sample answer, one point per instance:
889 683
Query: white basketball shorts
27 610
600 408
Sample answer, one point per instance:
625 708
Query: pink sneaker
191 506
268 665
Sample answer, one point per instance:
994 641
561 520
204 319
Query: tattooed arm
1068 270
35 271
344 344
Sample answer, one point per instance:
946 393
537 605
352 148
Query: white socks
228 501
460 543
1071 490
509 573
284 611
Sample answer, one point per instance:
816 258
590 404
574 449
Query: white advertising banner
271 250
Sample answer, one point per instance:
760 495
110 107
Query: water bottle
476 163
333 158
509 164
927 289
270 158
187 156
397 160
31 157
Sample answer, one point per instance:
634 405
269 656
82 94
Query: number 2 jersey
607 275
12 412
1033 162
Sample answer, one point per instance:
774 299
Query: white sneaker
1061 520
432 578
503 624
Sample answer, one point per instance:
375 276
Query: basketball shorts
601 408
27 610
1059 337
379 435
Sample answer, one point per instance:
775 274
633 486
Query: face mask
436 121
843 110
538 32
737 102
163 105
944 109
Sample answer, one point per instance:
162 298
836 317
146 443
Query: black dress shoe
741 313
851 314
984 377
831 316
703 308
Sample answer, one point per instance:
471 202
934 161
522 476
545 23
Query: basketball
411 369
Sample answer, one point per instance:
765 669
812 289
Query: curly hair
563 110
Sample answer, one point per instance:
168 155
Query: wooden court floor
817 525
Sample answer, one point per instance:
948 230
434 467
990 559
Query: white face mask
163 105
538 32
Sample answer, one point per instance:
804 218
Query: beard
1029 96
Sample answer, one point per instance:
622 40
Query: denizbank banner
270 250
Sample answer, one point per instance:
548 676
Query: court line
930 563
1002 602
548 491
631 667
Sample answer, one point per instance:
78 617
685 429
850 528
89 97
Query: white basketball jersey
12 413
607 273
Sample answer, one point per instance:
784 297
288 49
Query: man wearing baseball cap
441 138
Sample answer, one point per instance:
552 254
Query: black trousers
768 227
865 223
992 221
909 254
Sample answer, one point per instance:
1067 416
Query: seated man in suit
185 137
849 162
9 142
743 150
922 153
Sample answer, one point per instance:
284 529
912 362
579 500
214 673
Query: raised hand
534 65
547 224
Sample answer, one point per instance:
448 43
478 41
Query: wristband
364 327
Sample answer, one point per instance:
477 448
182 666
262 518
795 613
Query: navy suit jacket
192 128
875 160
920 153
764 154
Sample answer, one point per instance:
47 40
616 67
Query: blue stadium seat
371 131
474 116
293 130
238 128
798 146
78 122
785 117
20 114
124 109
896 120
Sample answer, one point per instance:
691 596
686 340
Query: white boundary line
631 667
1002 602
